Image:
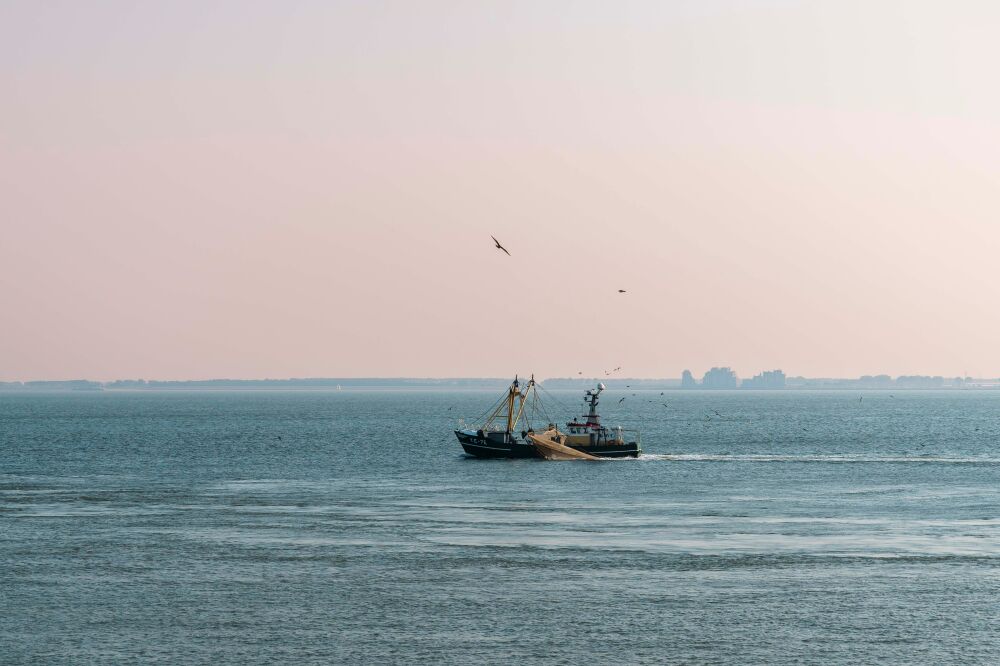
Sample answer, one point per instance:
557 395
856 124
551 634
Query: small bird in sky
622 291
665 405
621 401
499 246
717 413
580 372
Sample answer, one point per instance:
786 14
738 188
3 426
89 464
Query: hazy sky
250 189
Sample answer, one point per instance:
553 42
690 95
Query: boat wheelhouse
590 436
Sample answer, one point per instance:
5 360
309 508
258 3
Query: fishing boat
498 436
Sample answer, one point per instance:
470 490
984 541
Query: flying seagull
622 291
499 246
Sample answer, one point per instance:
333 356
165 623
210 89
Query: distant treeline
901 382
258 384
609 382
71 385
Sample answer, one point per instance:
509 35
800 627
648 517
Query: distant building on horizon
769 379
720 378
687 380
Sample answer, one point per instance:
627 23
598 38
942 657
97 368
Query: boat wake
828 458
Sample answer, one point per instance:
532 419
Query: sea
347 527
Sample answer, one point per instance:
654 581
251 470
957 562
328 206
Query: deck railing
638 435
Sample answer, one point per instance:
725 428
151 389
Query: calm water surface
347 527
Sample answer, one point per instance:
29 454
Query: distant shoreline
906 383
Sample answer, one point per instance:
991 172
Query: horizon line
140 380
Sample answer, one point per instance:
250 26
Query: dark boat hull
499 446
494 445
630 450
511 451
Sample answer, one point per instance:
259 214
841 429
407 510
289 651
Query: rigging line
479 419
530 416
528 410
541 406
549 395
559 403
548 418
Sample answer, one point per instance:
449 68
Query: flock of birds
608 373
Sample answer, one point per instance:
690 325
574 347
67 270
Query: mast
514 392
520 408
591 398
510 407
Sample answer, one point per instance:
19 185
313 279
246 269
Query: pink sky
247 189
